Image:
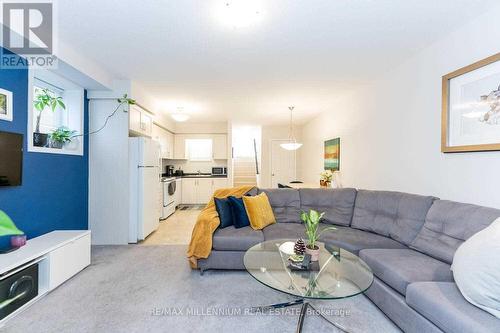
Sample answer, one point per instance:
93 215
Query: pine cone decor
300 247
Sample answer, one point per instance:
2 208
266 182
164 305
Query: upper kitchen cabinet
165 139
140 122
219 146
180 147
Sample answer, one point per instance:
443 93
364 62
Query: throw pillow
224 210
259 211
476 269
240 218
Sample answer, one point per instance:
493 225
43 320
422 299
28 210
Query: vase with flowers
325 179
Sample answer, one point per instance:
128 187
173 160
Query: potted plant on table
325 179
42 100
311 222
60 137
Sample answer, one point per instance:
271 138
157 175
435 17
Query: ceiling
302 53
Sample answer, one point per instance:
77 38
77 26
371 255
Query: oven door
169 189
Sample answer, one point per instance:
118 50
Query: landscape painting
332 155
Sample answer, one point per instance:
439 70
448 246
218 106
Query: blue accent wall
54 190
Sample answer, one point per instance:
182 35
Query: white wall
390 131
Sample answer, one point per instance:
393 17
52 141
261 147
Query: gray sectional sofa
407 240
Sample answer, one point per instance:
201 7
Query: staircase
244 171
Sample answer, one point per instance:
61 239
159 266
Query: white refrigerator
144 163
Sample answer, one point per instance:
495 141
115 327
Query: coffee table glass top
341 274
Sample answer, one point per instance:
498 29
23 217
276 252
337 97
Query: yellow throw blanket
206 224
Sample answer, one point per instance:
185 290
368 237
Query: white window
199 149
57 130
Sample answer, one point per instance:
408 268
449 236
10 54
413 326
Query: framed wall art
332 155
6 112
471 107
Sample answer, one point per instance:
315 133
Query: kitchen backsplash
193 167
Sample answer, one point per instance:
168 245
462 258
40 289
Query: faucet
199 172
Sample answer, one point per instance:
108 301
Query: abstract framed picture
471 108
332 155
6 112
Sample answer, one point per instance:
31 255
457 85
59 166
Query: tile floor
175 230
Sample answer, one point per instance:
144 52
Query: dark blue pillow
224 210
240 217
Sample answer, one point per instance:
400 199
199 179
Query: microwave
219 171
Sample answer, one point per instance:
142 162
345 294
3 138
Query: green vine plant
43 100
311 222
125 100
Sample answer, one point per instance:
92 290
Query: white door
282 164
189 191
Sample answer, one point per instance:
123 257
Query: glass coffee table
341 274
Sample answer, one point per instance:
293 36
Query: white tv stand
59 254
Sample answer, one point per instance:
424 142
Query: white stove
169 189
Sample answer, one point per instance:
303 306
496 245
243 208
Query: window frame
209 156
74 99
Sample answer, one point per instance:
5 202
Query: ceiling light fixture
239 13
293 144
180 116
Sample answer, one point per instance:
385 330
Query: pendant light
293 144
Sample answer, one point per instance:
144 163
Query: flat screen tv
11 159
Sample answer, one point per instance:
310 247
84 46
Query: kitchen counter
202 176
193 176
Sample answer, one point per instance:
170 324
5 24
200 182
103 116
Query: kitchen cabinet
140 122
218 183
204 190
200 190
178 191
180 146
219 146
166 141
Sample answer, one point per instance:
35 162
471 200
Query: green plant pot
40 139
56 144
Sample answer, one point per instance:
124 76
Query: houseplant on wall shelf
325 179
311 222
43 100
60 137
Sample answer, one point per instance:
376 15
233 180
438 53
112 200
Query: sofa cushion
442 304
448 224
285 203
392 214
284 231
354 240
259 211
236 239
224 211
400 267
240 217
338 204
478 276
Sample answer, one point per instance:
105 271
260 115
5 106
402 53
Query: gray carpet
151 289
